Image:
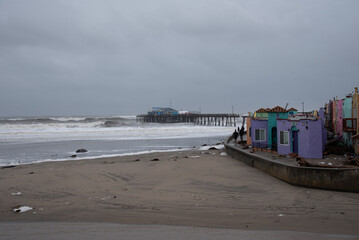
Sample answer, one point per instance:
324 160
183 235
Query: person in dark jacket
235 135
241 133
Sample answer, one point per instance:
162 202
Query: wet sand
189 188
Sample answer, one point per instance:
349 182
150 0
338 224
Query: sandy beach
188 188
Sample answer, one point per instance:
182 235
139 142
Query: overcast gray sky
114 57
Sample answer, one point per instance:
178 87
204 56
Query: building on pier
162 111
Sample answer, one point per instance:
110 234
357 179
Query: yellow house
355 114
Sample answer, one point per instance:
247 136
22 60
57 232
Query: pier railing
199 119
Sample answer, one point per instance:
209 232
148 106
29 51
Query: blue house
285 132
259 132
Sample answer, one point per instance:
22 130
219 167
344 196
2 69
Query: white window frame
280 138
262 132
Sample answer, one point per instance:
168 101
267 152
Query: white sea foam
80 131
30 140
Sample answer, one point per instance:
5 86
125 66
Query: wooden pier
199 119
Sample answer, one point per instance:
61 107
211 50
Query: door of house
295 141
274 139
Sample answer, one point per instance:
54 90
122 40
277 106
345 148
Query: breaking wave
70 121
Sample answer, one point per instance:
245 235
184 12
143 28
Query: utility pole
303 107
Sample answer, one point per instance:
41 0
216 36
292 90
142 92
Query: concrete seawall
324 178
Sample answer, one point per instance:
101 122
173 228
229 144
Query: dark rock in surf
10 166
82 150
212 148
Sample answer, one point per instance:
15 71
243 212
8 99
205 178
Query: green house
272 115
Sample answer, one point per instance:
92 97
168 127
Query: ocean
38 139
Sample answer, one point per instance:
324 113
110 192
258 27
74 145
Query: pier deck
199 119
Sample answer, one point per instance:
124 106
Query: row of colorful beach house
288 132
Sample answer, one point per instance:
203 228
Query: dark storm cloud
123 57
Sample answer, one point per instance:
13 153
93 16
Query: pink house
339 117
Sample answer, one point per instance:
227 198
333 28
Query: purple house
303 135
259 132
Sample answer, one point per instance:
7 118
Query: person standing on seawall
241 133
235 135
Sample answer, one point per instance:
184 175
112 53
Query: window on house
260 135
284 137
250 132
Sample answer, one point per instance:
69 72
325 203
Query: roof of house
278 109
261 110
302 117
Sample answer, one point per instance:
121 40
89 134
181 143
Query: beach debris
350 160
223 154
73 156
81 150
10 166
304 163
31 172
106 162
280 215
137 160
155 160
21 209
16 194
195 156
